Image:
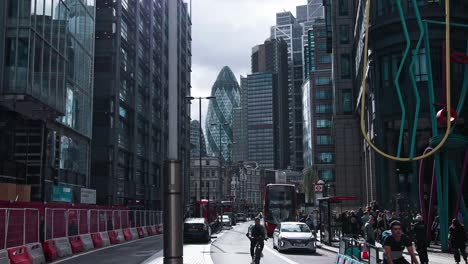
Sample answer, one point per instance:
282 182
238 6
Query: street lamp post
200 146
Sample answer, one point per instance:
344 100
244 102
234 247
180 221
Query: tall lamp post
200 146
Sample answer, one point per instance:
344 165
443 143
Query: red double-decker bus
226 206
211 213
280 205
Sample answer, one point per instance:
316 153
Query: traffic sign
318 188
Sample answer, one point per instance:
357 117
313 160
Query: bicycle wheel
257 256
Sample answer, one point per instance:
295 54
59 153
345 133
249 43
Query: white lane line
100 249
279 255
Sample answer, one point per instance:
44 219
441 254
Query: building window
322 46
345 66
323 80
343 7
321 33
325 157
326 175
324 59
323 123
324 140
420 69
344 34
323 95
323 108
346 101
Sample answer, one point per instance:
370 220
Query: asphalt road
232 247
134 252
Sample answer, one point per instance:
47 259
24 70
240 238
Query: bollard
173 237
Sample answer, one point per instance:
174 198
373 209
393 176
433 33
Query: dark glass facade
46 92
260 118
130 107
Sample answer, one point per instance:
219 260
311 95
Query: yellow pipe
447 73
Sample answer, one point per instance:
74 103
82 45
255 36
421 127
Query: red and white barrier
63 247
67 230
19 255
4 257
87 242
50 250
36 254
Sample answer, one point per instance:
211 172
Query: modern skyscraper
46 94
219 118
195 140
348 171
272 57
319 150
260 116
130 115
290 31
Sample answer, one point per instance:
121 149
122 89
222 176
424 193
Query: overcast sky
223 33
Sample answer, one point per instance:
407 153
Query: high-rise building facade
290 31
46 71
395 184
130 114
271 57
319 148
348 171
260 119
195 138
218 125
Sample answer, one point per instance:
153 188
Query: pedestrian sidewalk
193 254
436 256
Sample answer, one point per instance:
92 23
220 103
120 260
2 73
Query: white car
294 235
226 220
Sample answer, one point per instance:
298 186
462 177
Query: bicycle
258 250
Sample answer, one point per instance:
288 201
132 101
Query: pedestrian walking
457 238
369 231
421 240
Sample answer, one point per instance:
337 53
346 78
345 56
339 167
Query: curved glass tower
219 119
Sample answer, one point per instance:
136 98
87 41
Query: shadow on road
301 252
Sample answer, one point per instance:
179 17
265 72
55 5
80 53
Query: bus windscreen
279 207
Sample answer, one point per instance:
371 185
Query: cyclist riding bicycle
256 234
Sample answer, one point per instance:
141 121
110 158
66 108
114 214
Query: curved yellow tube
447 72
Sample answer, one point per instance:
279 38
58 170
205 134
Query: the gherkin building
219 119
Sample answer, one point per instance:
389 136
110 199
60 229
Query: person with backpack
457 238
395 243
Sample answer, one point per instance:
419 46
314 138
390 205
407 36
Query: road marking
280 256
100 249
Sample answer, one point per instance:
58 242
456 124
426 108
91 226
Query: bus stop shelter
329 210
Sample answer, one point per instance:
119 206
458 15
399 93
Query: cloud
223 33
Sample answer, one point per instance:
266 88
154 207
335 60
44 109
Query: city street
232 247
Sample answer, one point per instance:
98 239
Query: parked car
226 220
241 217
197 229
294 235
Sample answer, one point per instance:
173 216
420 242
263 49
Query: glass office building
46 92
219 118
260 118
